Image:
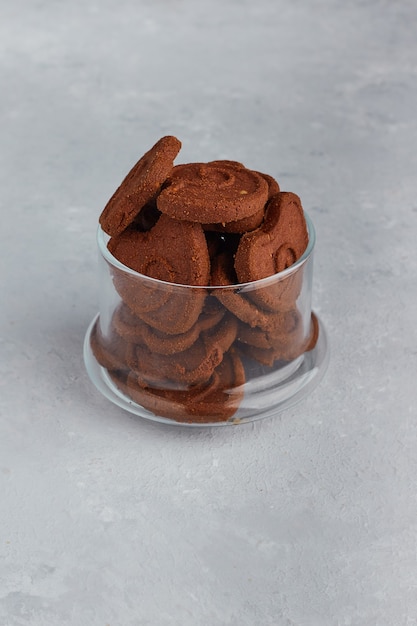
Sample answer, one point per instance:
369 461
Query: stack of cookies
197 236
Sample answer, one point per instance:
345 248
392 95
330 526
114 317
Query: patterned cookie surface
139 186
277 244
159 254
215 192
217 400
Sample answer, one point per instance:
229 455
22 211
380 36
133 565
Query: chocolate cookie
140 186
189 367
277 244
246 224
217 400
132 328
270 348
213 192
159 254
241 305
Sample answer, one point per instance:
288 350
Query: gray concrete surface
306 519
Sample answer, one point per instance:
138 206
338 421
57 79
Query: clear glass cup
204 356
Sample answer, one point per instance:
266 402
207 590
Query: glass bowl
205 356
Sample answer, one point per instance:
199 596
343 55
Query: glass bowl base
267 392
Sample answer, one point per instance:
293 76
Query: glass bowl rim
103 238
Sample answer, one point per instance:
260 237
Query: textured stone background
308 519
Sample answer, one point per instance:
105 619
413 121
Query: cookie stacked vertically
191 233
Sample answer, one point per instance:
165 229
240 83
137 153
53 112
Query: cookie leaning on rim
140 186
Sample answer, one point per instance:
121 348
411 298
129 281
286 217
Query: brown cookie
132 328
139 186
282 347
241 305
275 245
217 400
159 254
247 223
213 192
273 186
189 367
287 329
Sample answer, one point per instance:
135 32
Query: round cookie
189 367
214 192
277 244
214 401
245 224
132 328
139 186
244 308
161 343
284 347
159 254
